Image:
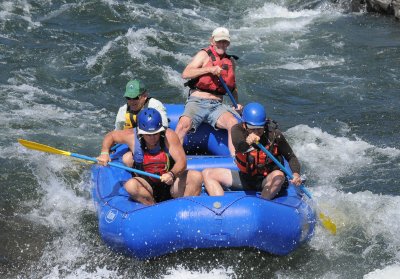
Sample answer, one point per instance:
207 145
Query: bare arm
117 136
196 67
286 150
176 151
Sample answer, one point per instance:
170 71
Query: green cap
134 88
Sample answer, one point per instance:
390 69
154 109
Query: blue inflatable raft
237 219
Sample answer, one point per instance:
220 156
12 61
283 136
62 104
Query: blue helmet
254 115
149 122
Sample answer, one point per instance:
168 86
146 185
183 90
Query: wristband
104 153
172 174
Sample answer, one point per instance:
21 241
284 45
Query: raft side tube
185 224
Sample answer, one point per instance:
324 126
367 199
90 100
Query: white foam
60 205
389 272
24 101
180 272
332 156
274 18
8 11
63 8
271 10
312 63
83 272
266 24
91 61
175 79
139 47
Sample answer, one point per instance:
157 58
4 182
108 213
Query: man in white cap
158 151
204 103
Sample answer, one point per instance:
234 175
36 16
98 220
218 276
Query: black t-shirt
239 135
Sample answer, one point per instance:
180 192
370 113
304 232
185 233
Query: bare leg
127 159
183 127
140 190
227 121
214 177
179 185
193 183
187 184
272 184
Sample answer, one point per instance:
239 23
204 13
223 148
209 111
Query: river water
331 78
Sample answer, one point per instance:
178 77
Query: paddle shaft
272 157
228 91
324 219
116 165
45 148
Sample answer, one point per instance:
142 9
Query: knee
278 179
232 121
127 159
196 176
131 186
208 174
183 125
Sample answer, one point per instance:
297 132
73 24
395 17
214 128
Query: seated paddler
257 172
155 150
137 98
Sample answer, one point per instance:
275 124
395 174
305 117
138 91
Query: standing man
256 171
206 93
155 150
137 98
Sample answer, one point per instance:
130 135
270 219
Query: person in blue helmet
256 171
155 150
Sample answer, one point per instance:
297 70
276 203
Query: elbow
185 75
183 167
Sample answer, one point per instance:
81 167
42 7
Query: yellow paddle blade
327 223
42 147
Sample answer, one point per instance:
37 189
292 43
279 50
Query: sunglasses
132 99
248 127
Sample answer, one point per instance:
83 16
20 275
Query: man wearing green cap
137 98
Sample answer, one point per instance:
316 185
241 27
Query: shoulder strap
162 142
146 103
272 126
232 56
211 54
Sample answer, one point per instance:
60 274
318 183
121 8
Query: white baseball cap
220 34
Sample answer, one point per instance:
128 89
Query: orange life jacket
209 82
256 162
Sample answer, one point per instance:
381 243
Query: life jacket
256 162
131 116
210 83
157 161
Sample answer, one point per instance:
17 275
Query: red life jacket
210 83
157 161
256 162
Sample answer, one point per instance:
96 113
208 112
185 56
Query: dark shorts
241 181
161 191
